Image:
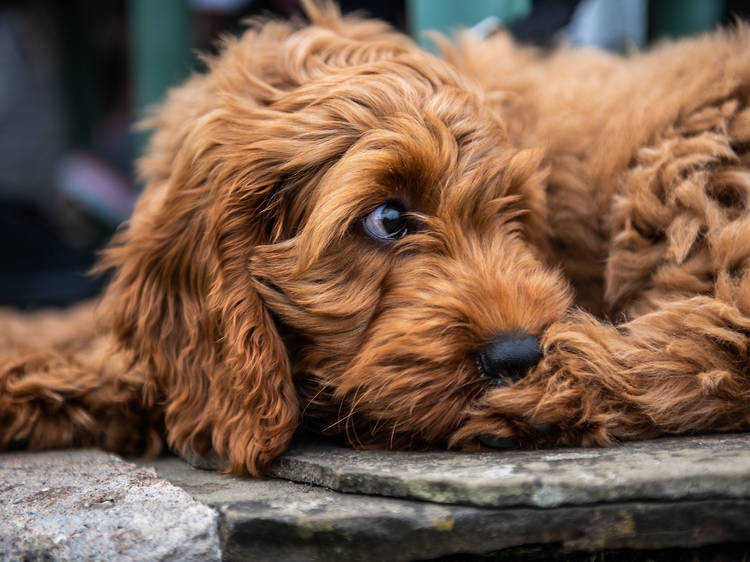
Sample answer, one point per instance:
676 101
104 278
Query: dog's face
335 227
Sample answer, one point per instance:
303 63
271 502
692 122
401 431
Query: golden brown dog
341 229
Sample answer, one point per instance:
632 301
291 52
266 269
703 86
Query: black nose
509 355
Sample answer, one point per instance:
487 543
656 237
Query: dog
496 248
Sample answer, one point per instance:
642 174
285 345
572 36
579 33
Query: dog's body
340 228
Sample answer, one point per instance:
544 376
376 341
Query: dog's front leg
681 369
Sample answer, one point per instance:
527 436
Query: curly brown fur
247 297
648 204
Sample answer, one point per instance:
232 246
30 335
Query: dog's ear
524 176
181 299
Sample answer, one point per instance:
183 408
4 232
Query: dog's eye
388 222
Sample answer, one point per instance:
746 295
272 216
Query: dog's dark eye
388 222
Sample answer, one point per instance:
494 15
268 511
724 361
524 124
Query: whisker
314 398
467 384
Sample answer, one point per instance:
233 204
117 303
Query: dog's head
334 225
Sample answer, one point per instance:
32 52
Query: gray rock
682 469
89 505
277 520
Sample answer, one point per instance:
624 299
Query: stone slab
280 520
89 505
683 469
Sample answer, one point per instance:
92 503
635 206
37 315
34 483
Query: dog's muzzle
509 356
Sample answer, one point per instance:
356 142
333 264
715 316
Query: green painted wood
676 18
446 16
160 54
160 47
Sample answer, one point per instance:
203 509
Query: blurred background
76 74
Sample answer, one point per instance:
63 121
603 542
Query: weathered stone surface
278 520
682 469
89 505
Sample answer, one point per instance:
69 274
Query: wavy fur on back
248 299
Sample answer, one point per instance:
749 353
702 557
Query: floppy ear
525 175
182 301
223 165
